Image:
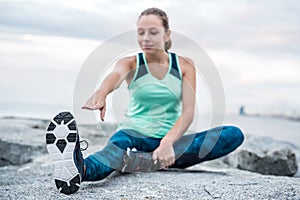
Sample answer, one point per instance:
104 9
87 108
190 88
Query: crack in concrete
210 194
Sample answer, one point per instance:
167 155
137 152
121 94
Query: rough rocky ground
207 181
210 180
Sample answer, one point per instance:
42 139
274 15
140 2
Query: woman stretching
161 104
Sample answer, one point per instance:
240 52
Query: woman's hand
96 102
165 155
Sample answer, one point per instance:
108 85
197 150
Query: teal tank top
154 105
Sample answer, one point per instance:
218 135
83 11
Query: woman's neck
157 57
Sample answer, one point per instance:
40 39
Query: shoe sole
61 138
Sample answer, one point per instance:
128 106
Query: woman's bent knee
235 133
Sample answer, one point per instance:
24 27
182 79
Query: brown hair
164 18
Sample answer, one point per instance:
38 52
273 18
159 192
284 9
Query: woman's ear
167 35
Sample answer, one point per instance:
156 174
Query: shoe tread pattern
61 150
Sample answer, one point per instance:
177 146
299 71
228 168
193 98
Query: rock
21 140
281 162
266 156
24 138
17 154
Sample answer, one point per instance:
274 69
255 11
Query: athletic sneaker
64 148
138 161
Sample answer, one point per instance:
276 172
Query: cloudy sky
255 46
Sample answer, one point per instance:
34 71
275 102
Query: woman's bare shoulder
185 60
186 64
128 62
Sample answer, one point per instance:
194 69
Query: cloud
88 19
44 51
255 44
259 26
264 26
54 18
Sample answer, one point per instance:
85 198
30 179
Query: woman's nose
146 37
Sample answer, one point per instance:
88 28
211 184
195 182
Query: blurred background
255 46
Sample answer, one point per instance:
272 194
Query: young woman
162 89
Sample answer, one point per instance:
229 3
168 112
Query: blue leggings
189 150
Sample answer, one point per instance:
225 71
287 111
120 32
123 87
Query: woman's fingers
102 113
171 162
93 106
154 157
164 155
100 106
166 162
87 107
96 102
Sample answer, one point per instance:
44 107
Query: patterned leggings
189 150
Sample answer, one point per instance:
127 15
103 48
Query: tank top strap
175 68
140 67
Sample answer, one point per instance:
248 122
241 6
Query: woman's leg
208 145
110 158
104 162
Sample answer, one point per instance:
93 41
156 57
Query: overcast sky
254 44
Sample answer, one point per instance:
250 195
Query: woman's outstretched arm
111 82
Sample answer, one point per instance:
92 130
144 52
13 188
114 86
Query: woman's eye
153 33
141 33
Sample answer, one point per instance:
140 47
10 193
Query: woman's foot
62 141
138 161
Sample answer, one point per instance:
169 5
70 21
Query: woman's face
151 34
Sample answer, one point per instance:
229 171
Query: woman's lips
147 46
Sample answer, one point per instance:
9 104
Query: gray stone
24 138
17 154
21 140
266 156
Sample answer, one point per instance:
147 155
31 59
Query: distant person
242 110
161 106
